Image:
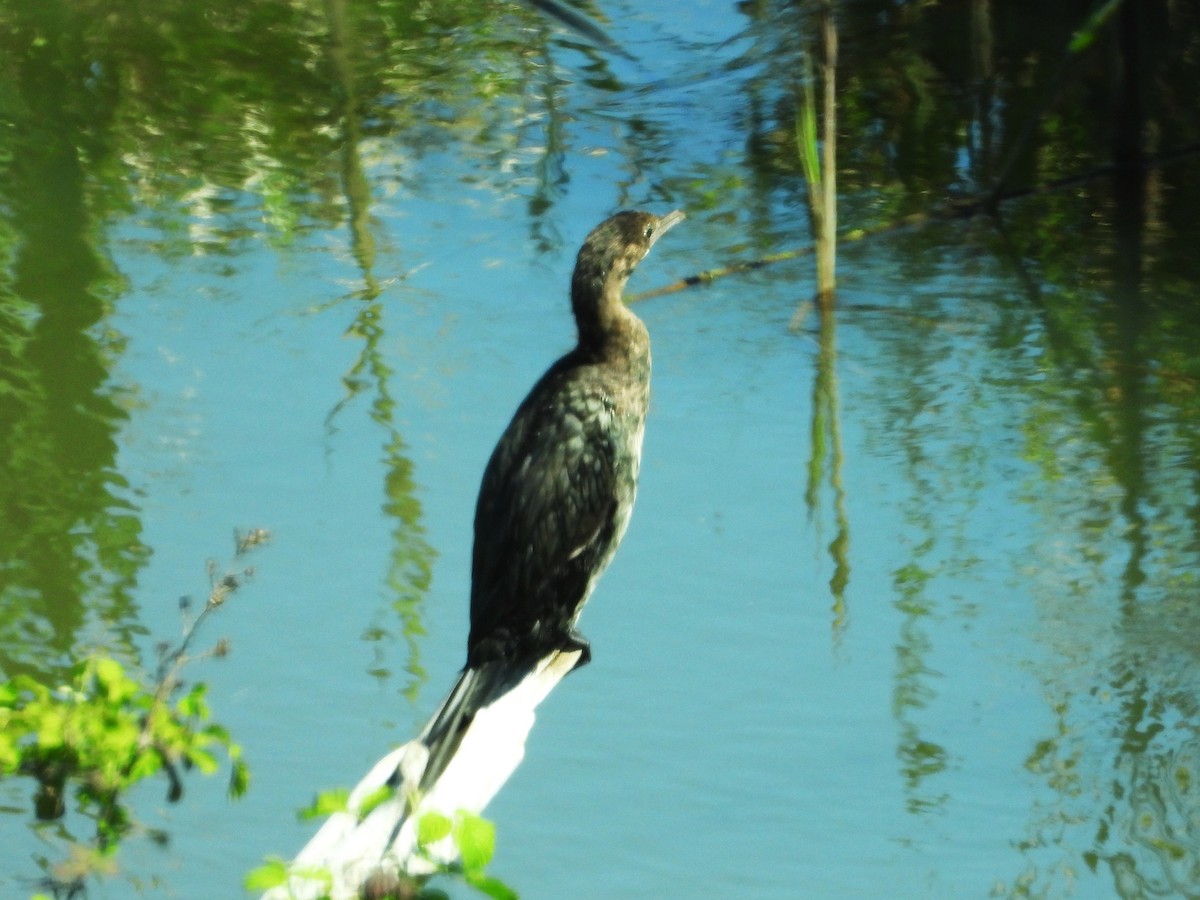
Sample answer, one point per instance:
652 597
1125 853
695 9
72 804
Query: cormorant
559 488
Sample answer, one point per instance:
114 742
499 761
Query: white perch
349 849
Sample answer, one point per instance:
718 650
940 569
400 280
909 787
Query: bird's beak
665 224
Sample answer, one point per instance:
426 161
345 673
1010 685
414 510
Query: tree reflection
826 461
1136 479
224 124
1109 401
227 125
70 545
1108 346
1148 835
411 566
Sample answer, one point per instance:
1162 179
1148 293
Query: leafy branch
473 837
105 730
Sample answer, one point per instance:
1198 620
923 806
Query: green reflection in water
933 427
1095 358
411 567
226 125
825 462
1112 432
70 545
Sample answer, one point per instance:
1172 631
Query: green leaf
204 761
9 692
27 684
432 828
111 680
119 737
373 799
10 758
192 704
272 873
50 728
806 126
239 778
492 887
144 765
1086 35
476 840
220 733
326 803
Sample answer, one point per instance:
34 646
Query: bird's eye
649 231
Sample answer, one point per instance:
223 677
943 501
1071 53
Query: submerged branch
954 209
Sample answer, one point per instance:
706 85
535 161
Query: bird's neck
608 329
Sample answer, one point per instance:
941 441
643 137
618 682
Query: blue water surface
867 635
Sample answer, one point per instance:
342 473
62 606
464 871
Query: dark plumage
559 488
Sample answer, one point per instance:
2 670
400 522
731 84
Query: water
907 606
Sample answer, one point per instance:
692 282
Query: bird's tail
476 688
511 689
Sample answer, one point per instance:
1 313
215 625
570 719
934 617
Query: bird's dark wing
545 518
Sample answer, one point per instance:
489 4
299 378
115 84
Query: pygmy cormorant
559 488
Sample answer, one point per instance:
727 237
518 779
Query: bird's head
609 255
